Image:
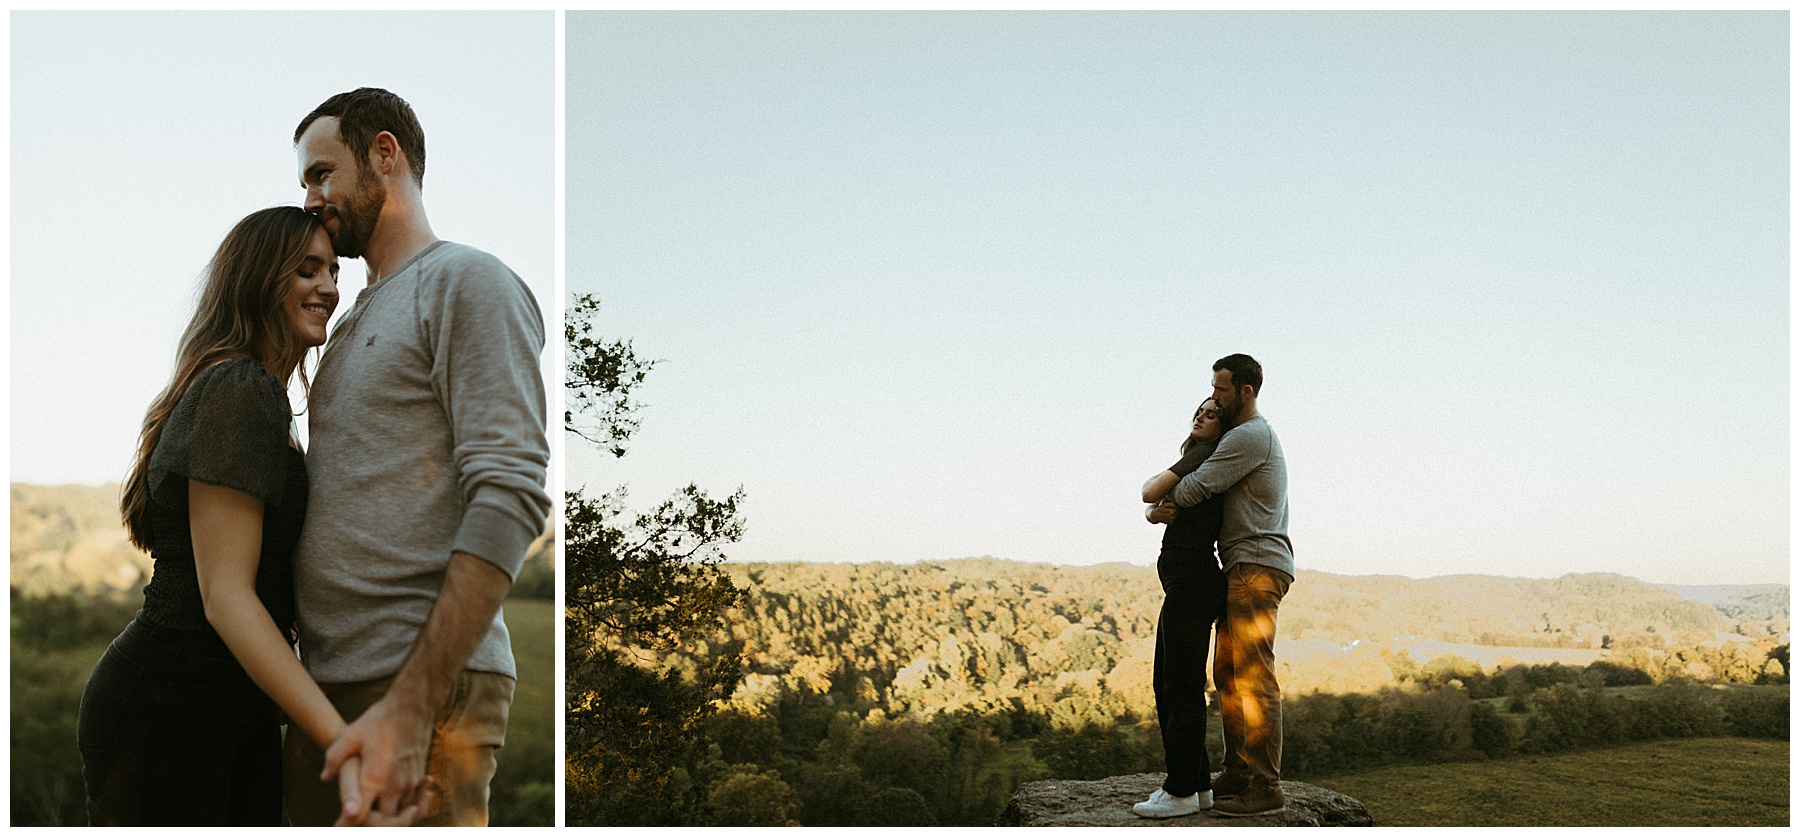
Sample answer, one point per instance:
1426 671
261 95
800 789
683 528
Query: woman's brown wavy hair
240 315
1189 442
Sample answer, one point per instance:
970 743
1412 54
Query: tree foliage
639 586
602 374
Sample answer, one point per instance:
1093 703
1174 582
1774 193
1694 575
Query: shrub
1614 674
1756 712
1306 731
1558 720
1677 710
1489 732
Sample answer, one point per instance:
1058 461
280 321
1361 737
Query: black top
1196 527
229 430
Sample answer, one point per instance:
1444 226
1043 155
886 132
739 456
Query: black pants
1193 599
173 732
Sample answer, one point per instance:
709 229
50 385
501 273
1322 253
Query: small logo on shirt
371 341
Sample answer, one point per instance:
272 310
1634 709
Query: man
427 465
1249 469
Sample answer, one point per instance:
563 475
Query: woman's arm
1159 486
227 527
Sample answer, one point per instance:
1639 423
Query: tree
750 797
639 588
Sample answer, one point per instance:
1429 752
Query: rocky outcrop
1109 801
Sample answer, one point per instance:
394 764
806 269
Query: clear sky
941 285
138 140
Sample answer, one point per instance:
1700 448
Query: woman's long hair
240 315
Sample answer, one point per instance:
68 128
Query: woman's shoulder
238 386
229 429
239 376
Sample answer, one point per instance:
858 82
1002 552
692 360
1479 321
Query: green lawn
1692 782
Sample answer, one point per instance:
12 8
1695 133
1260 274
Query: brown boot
1227 784
1253 801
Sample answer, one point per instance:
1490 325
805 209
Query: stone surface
1109 801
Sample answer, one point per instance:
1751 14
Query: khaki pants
1244 673
470 727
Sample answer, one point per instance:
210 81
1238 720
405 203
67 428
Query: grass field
524 789
1692 782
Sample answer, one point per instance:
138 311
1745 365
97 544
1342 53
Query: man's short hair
1244 370
367 111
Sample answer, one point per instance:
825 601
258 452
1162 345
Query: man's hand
350 791
1163 512
393 745
394 736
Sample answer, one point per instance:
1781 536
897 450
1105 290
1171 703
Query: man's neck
399 236
1245 414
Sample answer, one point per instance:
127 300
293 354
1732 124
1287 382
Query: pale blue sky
939 285
138 140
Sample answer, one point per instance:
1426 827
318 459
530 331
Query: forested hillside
921 694
984 633
68 539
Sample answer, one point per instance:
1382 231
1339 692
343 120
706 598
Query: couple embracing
381 555
1229 489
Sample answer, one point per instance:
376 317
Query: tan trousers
470 727
1244 673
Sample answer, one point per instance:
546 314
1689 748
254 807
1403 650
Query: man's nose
314 201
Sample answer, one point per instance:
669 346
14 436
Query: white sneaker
1161 805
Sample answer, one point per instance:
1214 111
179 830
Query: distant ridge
1718 594
1576 610
69 539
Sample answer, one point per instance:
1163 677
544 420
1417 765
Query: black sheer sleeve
229 430
1190 462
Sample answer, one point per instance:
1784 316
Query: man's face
1226 396
340 188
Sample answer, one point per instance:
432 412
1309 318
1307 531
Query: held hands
1163 512
349 791
392 745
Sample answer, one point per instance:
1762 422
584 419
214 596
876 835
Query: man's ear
384 153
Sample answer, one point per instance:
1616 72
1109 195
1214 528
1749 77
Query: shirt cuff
493 536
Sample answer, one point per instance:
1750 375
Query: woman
1193 598
177 725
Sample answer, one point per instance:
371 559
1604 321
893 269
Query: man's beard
1228 413
357 218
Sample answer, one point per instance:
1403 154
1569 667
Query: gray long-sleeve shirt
1250 471
427 420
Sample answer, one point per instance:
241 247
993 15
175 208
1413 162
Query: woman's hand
354 812
1163 512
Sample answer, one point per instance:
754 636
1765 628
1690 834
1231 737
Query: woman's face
312 294
1208 427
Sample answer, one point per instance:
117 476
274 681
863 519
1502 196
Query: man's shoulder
456 260
1255 430
458 271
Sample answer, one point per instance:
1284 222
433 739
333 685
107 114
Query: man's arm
1240 452
485 334
394 736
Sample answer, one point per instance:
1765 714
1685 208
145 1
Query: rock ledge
1109 801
